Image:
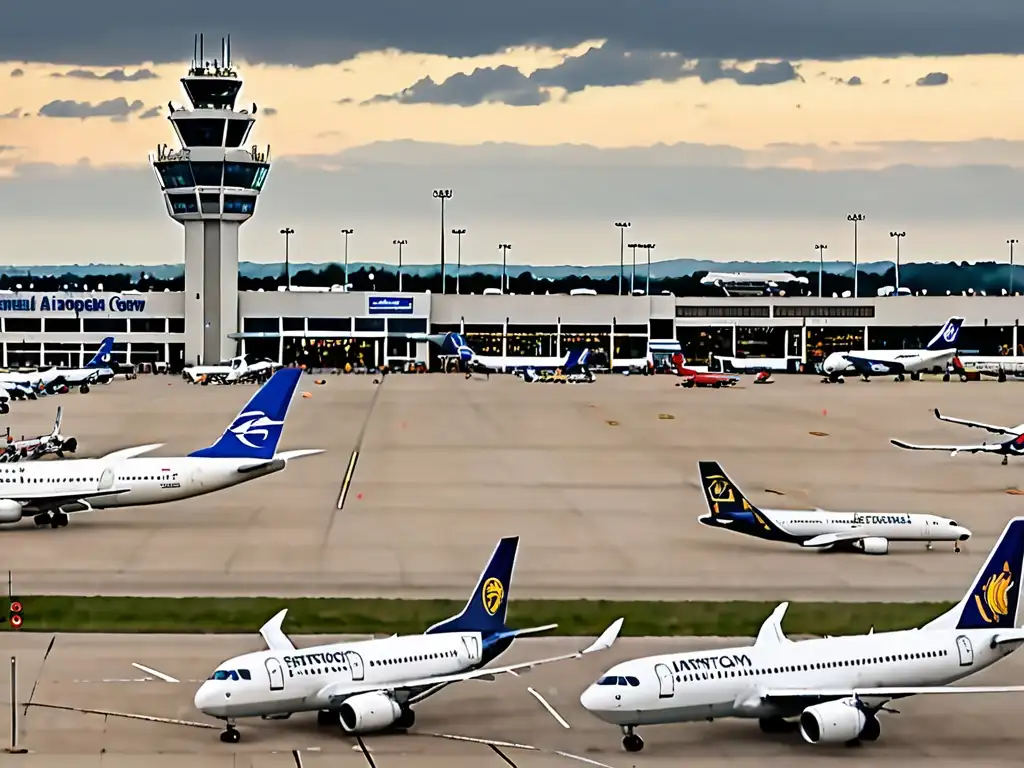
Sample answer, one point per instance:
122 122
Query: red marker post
16 618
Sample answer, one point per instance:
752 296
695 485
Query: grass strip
198 615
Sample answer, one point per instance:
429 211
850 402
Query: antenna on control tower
210 186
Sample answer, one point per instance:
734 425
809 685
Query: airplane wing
882 693
828 539
336 692
1012 432
953 449
867 366
49 498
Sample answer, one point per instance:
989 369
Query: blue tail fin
102 356
455 345
946 337
485 612
993 600
576 358
255 431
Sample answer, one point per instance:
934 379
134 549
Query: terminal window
824 311
371 324
327 324
736 311
176 325
407 325
260 325
293 324
23 325
63 325
147 325
204 132
105 325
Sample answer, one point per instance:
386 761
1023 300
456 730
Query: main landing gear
54 520
230 735
631 742
1006 460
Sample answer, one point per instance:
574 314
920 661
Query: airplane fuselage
287 682
882 361
675 688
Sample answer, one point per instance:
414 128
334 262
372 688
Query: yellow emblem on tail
994 594
493 595
720 489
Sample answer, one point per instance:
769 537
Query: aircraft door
666 682
472 643
106 479
276 674
966 650
355 665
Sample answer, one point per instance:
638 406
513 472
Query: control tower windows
209 202
176 175
207 174
245 175
211 93
183 202
239 204
238 129
202 132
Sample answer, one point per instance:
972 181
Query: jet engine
837 722
10 511
874 545
369 712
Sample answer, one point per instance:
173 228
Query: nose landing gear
230 735
631 742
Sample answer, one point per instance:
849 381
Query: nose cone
205 697
964 534
590 698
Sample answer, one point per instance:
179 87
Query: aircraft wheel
632 743
59 520
84 389
230 736
41 520
945 377
327 717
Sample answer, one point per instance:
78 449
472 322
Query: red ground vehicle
692 378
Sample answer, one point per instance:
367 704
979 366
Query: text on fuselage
712 663
881 519
314 659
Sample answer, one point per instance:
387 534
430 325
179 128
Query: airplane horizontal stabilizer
520 632
1009 638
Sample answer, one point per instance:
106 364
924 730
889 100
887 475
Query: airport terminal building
327 329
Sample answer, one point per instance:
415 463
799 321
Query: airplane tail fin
576 357
726 501
487 606
56 422
679 361
947 335
993 601
256 430
102 356
453 345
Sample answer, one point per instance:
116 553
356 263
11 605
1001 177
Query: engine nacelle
834 722
369 712
10 511
874 545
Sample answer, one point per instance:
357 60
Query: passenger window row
407 659
719 674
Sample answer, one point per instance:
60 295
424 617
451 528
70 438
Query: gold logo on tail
994 594
493 595
720 490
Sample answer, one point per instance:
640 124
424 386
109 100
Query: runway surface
599 484
96 672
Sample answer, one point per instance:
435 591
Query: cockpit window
619 680
953 522
608 680
633 682
226 674
245 674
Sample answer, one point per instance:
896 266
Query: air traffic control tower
210 185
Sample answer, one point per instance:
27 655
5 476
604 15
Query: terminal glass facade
823 341
761 342
599 342
485 339
532 341
700 342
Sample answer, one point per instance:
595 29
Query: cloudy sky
732 129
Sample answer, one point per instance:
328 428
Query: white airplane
866 532
834 686
372 685
454 347
51 381
50 491
1012 447
1002 367
29 448
897 362
233 371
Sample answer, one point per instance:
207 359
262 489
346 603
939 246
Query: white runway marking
127 715
548 707
491 742
155 673
581 759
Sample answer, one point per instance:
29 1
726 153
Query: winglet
274 636
937 414
607 638
771 631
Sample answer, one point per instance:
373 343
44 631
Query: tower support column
211 288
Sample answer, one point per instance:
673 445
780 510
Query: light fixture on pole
1011 244
287 232
504 264
442 195
400 243
856 218
458 269
648 247
346 233
899 236
820 248
622 225
632 274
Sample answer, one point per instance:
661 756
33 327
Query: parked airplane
372 685
836 686
37 447
1003 367
1012 447
247 450
867 532
55 380
234 371
558 376
899 362
454 347
692 378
